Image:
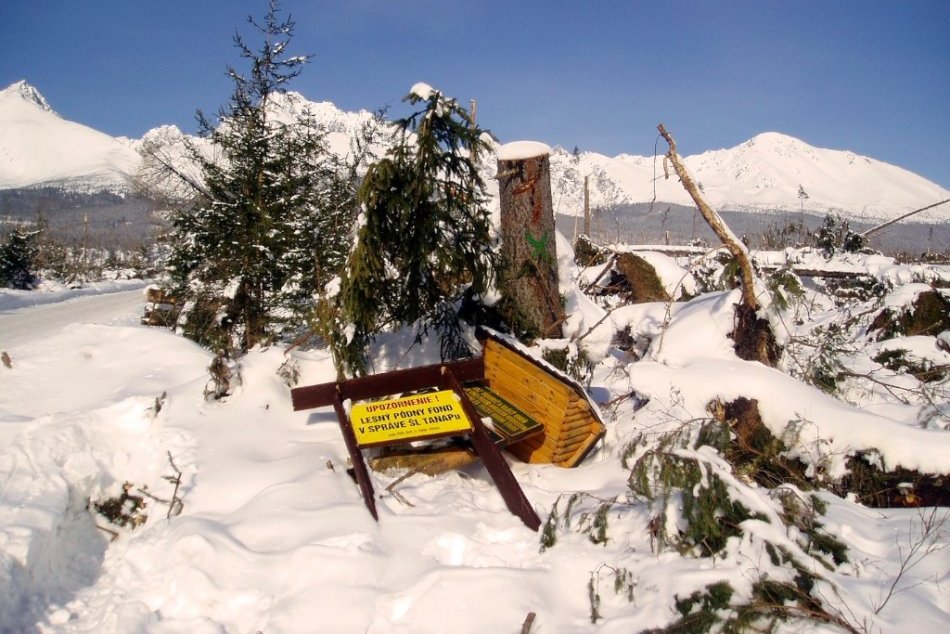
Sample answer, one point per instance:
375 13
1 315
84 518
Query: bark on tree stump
531 298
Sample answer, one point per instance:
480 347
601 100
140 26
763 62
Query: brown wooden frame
447 376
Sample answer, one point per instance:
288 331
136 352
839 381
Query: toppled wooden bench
534 411
421 417
571 421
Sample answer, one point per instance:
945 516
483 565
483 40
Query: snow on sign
409 418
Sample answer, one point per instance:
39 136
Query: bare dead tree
753 336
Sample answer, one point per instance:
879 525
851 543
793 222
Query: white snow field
272 536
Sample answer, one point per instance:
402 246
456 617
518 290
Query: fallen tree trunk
753 336
884 225
755 451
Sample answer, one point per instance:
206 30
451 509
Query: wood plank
429 462
569 430
567 436
545 443
524 394
566 452
511 373
312 396
531 456
535 442
543 381
494 349
573 416
549 451
581 404
385 384
556 447
583 450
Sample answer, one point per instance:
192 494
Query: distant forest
662 223
126 223
95 220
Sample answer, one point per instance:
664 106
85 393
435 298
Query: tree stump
637 280
528 279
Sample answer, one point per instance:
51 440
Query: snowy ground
273 537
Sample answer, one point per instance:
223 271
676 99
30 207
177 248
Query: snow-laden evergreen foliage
269 224
424 243
18 260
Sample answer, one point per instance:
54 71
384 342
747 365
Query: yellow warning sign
408 418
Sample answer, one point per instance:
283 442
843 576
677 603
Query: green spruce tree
424 244
268 225
18 259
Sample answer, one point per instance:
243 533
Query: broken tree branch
753 336
528 622
729 239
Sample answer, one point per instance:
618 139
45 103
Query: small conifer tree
17 260
424 242
802 196
269 223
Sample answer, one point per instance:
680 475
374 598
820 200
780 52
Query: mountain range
770 172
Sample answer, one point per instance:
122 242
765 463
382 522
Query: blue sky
868 76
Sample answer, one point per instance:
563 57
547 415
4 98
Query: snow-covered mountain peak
292 104
768 140
164 134
40 148
771 171
765 147
23 91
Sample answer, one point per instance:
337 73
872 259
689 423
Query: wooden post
529 277
356 456
494 462
587 206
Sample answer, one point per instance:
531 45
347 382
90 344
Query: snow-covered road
22 330
19 327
